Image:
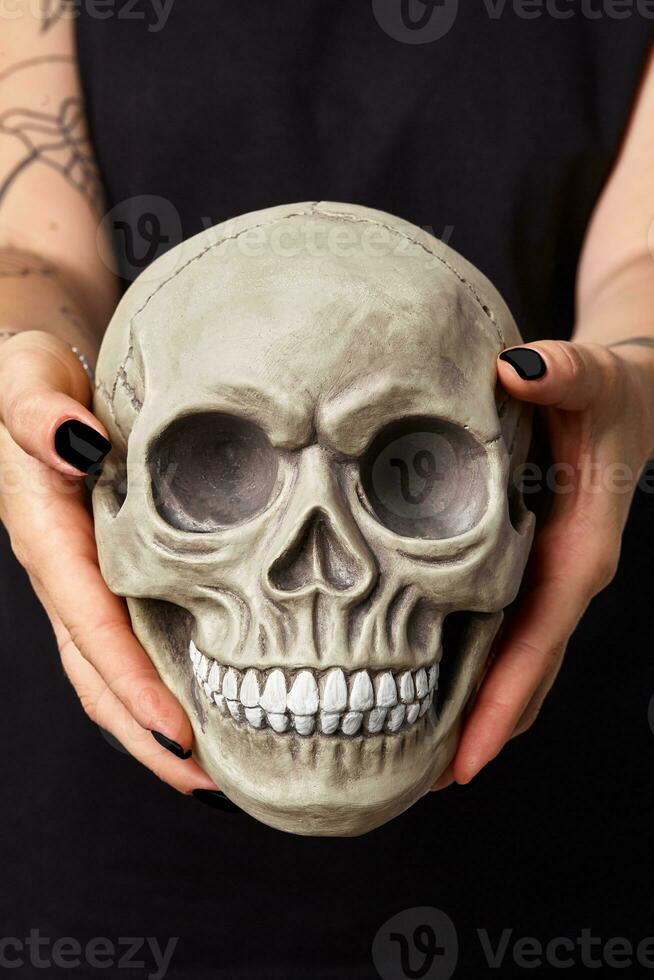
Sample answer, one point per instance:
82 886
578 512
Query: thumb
555 372
43 395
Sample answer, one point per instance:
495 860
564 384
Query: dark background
504 131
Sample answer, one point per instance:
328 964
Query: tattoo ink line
59 141
52 11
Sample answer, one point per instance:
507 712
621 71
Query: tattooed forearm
77 321
52 11
637 341
54 299
15 264
57 138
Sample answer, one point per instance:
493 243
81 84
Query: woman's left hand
598 406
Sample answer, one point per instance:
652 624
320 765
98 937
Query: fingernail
80 445
215 799
526 362
173 747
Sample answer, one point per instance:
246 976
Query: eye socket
426 478
210 471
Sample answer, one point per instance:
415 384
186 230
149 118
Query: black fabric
498 136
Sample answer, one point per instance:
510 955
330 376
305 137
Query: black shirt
496 134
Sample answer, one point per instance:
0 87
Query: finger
98 621
106 710
531 712
561 374
533 645
43 391
529 653
109 713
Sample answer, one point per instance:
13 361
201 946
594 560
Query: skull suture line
316 537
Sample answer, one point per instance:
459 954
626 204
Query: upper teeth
332 700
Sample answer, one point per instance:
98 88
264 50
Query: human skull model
309 504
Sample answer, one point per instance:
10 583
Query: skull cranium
317 536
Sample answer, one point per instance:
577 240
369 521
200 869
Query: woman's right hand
42 384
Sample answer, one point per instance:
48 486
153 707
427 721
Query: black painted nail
93 475
526 362
173 747
80 445
217 800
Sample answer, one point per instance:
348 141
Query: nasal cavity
316 556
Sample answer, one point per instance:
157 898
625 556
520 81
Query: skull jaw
323 786
318 785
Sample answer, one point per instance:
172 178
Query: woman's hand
42 385
598 408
